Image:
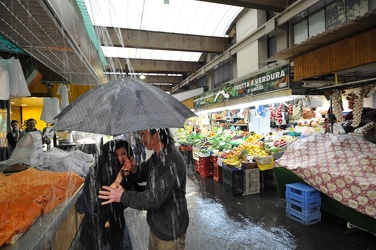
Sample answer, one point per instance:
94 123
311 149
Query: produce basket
220 161
265 163
235 168
248 165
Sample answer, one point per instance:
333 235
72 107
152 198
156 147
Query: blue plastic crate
305 220
306 203
302 191
301 210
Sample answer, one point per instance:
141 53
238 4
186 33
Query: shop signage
274 79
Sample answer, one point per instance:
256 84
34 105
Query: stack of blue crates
303 203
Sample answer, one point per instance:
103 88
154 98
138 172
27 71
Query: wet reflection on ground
219 220
225 222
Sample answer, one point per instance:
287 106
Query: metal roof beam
268 5
163 79
129 38
154 66
157 79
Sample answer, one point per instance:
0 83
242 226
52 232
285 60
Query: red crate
203 160
206 172
217 175
214 159
197 166
207 165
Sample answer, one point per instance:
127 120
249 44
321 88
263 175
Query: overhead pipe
349 83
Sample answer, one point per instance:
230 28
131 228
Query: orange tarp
26 195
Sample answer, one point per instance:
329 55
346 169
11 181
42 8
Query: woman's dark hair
164 135
113 145
124 144
104 173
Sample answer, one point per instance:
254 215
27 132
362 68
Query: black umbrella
121 106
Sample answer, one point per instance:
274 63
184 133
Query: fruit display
275 143
241 154
313 122
280 142
290 109
276 114
235 148
253 137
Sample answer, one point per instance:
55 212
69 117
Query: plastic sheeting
50 109
17 82
4 84
341 166
28 151
58 160
26 195
63 92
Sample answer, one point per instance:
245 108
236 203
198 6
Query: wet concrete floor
219 220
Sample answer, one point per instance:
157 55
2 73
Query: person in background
164 197
30 127
13 136
196 129
104 227
139 149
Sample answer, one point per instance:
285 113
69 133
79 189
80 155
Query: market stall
341 167
341 164
33 204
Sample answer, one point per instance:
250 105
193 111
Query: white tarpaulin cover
58 160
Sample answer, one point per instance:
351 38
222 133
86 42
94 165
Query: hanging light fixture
142 76
166 1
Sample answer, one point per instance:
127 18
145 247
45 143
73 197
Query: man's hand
129 166
110 194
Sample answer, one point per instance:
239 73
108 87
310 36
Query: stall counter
55 230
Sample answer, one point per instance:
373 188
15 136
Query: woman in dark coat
103 227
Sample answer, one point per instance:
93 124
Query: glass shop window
223 73
300 31
272 46
316 23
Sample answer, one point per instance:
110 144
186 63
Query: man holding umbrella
164 197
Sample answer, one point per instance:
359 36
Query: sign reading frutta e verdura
274 79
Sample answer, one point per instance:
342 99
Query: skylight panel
151 54
180 16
